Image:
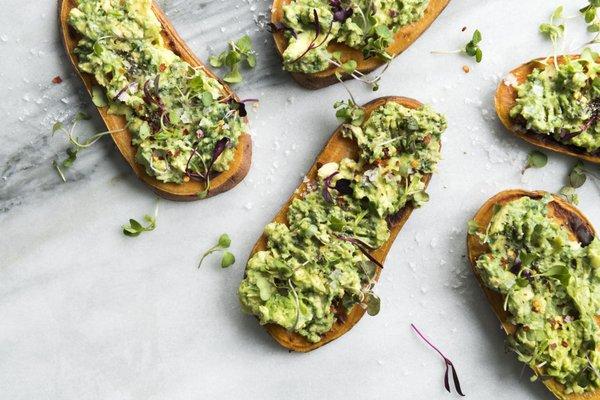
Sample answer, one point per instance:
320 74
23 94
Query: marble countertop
88 313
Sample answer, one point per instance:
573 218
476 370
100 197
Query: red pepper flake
56 80
464 28
564 343
162 67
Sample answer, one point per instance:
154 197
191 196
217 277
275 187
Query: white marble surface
87 313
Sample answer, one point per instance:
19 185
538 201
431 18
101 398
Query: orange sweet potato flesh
335 150
403 38
186 191
505 100
562 212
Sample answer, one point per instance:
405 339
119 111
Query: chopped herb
449 365
223 243
134 228
239 51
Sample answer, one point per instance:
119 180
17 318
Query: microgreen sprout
554 30
377 41
349 113
363 247
220 147
578 175
590 15
569 194
368 299
296 301
349 67
449 365
312 44
535 159
279 27
134 228
471 49
228 259
76 143
239 51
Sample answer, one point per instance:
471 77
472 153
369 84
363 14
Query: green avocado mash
176 112
563 102
366 25
313 270
551 284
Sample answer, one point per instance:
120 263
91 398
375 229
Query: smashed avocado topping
563 102
183 125
551 284
365 25
316 267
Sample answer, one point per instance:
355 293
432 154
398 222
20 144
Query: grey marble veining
90 314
